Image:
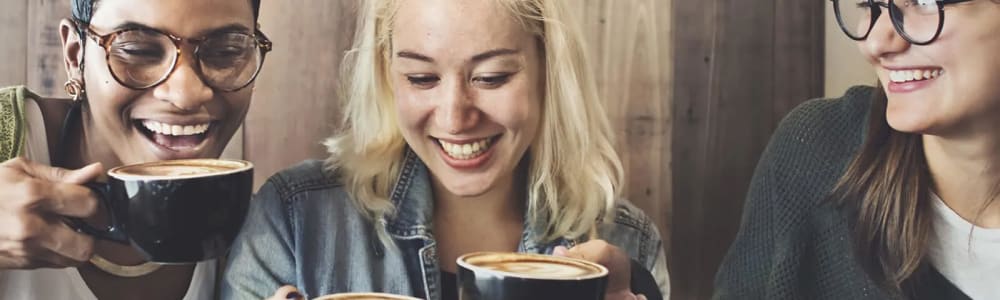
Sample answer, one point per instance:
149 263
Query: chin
467 188
907 123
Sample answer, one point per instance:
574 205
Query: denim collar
413 198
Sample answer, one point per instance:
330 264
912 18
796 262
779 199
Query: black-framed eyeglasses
141 58
917 21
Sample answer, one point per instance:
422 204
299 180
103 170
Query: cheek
412 108
238 104
517 111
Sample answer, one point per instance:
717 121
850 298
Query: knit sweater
793 243
12 121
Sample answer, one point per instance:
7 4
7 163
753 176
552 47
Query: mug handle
114 231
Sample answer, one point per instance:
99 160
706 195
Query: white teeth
900 76
176 130
467 150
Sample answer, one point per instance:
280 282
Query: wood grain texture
296 104
13 47
739 67
46 72
629 50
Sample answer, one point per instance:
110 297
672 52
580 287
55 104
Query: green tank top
12 120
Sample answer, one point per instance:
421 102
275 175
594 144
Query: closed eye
423 81
491 81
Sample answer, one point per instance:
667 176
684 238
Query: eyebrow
475 58
233 27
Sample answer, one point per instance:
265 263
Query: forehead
456 27
181 17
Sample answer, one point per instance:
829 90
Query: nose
184 88
883 41
457 111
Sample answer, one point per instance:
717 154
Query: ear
72 48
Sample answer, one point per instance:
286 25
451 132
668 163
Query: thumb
560 251
287 292
78 176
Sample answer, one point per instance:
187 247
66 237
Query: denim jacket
304 230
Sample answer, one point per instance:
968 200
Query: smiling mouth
174 137
467 149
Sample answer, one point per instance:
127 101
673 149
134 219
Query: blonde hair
575 175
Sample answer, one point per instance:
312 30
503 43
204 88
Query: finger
559 251
45 258
287 292
641 297
65 199
67 243
78 176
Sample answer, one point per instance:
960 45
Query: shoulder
633 231
819 123
306 176
11 121
813 144
302 190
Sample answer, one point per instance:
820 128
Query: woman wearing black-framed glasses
150 80
889 192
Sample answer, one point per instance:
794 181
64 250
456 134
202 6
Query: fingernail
293 295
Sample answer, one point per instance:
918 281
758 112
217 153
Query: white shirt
972 265
66 283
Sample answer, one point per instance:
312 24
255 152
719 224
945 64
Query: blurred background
694 90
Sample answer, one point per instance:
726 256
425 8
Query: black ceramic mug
176 211
509 276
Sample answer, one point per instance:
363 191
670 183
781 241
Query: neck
86 148
502 204
965 172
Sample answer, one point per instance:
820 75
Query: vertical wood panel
296 104
13 34
46 73
628 43
739 67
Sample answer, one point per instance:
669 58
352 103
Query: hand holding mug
287 292
617 261
34 200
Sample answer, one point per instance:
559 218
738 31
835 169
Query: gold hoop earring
74 89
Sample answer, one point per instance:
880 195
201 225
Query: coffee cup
175 211
365 296
509 276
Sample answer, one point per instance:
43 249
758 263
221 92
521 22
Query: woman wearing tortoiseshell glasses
149 80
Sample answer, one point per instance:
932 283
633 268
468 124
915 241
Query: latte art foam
178 168
173 170
531 266
540 269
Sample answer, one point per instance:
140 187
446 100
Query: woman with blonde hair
469 126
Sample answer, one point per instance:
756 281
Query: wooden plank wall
13 50
693 90
739 67
629 50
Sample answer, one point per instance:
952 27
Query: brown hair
888 186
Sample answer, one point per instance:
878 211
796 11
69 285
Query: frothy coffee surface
179 168
535 266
